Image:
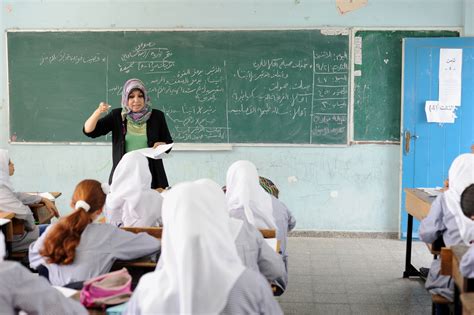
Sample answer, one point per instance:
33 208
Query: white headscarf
461 176
244 191
199 264
4 170
235 225
2 246
131 199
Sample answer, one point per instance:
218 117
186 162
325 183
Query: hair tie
105 188
81 204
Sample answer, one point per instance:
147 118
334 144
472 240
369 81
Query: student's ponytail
61 241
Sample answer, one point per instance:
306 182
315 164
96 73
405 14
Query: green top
136 137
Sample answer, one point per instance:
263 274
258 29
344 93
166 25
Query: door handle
408 137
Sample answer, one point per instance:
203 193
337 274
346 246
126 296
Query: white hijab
461 176
199 264
244 191
2 246
235 225
4 170
131 199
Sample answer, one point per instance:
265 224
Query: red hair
61 241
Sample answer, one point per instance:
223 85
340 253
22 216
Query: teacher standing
135 126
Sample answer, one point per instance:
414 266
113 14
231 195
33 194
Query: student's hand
50 206
103 108
157 144
445 185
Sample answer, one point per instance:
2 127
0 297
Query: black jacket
156 131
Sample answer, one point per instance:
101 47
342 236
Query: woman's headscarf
199 264
4 169
130 194
145 113
461 176
244 191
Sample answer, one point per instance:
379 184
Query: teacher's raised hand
91 122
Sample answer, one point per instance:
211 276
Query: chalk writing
63 57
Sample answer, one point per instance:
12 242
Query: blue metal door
429 148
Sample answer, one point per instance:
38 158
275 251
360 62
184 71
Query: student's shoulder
103 228
12 270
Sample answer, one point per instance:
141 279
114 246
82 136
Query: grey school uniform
257 255
22 290
440 221
285 222
251 294
100 246
467 263
16 202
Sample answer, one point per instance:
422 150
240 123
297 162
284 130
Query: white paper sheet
432 191
157 153
65 291
46 195
439 113
450 69
345 6
4 221
272 242
358 50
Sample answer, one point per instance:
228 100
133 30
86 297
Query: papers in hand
156 153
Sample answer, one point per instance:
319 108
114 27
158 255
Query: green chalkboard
285 86
377 81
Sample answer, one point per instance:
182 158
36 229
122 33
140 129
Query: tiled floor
353 276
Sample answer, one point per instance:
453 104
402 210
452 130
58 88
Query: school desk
461 284
7 230
417 204
467 300
40 212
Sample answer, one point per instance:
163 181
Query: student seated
467 206
266 184
252 248
75 249
131 202
248 201
199 271
443 221
23 291
17 203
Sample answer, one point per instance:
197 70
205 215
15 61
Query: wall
354 188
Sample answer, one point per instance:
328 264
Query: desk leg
410 271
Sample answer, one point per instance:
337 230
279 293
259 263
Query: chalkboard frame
347 31
354 31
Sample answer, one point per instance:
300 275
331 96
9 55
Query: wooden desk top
418 202
459 280
467 300
6 215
